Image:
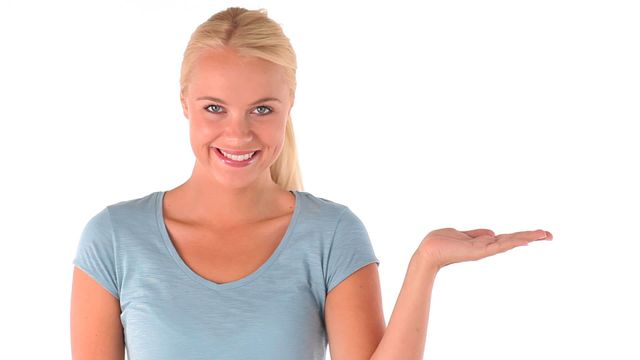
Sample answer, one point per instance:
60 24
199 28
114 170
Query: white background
508 115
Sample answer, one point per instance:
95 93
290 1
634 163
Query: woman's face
238 104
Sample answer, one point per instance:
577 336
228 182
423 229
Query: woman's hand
447 246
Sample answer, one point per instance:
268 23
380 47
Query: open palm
448 245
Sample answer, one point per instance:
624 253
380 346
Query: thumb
478 232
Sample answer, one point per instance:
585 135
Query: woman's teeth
237 157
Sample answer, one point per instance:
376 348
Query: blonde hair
252 33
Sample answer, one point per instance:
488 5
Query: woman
238 262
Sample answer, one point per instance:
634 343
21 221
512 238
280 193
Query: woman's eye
264 107
210 106
213 108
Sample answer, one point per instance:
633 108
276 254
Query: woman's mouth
236 160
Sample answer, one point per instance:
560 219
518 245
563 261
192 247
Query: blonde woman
239 262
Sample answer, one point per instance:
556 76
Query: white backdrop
508 115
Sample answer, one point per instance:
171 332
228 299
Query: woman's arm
96 331
406 332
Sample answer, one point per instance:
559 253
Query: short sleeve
350 249
95 253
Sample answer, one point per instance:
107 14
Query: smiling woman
238 262
242 124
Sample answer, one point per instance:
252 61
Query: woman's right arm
96 330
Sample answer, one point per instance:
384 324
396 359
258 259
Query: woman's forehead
230 74
225 61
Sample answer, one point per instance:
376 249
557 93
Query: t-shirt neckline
159 196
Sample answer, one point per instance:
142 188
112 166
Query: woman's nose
238 127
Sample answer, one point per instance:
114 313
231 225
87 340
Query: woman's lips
235 163
237 152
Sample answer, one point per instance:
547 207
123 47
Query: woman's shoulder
113 217
320 206
133 209
136 203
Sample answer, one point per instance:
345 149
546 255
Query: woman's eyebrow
222 101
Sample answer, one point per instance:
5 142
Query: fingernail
549 236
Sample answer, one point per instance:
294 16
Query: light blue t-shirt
168 311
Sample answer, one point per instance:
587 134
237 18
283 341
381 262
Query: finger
448 232
483 240
487 246
478 232
526 235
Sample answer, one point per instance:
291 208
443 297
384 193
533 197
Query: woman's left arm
405 336
351 313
